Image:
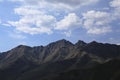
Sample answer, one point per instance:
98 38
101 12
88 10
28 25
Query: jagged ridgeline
62 60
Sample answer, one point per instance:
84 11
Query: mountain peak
61 42
21 46
94 43
80 43
57 57
64 42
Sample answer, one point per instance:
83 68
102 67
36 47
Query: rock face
48 62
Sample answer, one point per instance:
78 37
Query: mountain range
62 60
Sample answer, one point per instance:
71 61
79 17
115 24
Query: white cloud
68 33
73 4
116 5
70 21
97 22
64 4
33 21
27 10
101 30
44 4
36 18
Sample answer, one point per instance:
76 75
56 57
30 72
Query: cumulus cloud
97 22
33 21
27 10
100 21
76 3
70 21
68 4
43 4
116 5
101 30
36 18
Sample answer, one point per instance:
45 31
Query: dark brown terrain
62 60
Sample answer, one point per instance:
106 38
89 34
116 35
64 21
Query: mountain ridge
60 57
62 40
59 50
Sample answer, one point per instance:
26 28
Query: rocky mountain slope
59 61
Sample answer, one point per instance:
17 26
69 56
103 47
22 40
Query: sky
40 22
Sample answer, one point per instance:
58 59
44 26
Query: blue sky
39 22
